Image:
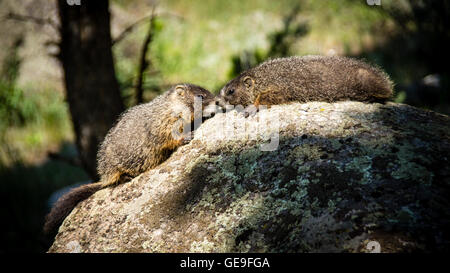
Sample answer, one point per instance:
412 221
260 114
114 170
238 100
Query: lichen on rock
342 176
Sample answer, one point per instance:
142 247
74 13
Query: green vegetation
33 122
201 42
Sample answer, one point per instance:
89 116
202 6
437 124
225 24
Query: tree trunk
92 89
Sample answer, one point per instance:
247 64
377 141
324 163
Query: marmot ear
248 82
180 89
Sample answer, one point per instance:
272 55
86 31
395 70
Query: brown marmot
143 137
308 78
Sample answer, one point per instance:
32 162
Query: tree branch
29 18
131 27
143 63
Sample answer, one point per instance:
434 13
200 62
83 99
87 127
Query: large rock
345 177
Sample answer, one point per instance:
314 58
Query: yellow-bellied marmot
309 78
143 137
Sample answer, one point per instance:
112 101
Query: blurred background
68 70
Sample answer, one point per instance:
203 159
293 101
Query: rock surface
344 177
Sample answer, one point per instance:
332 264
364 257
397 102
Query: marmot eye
200 97
230 92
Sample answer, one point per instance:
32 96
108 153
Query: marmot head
189 96
238 91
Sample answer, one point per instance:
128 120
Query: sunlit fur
141 139
309 78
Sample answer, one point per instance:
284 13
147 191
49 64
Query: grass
34 121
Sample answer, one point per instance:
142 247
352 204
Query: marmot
309 78
142 138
